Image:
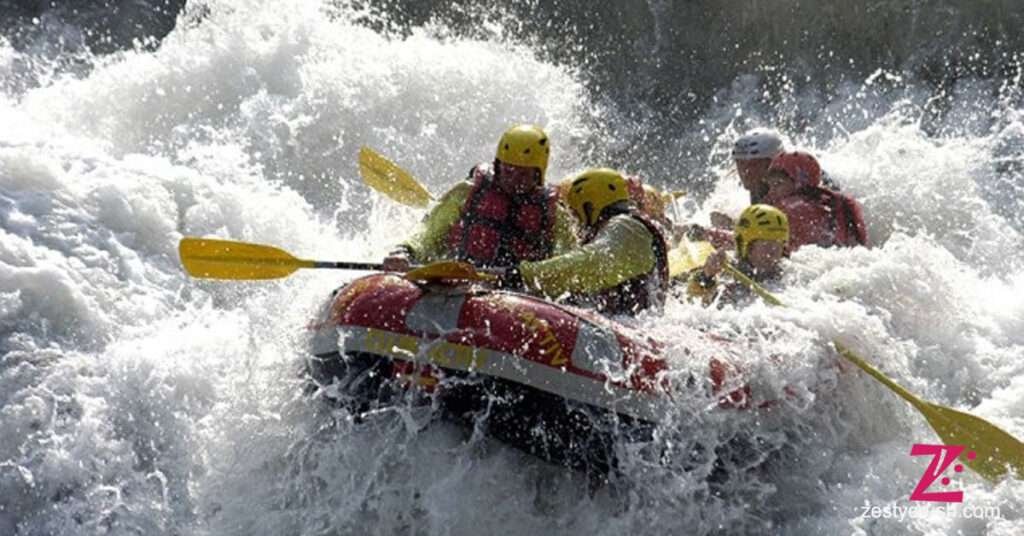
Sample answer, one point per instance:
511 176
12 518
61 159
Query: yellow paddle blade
209 258
387 178
688 256
996 452
448 270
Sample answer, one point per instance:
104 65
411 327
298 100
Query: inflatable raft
558 382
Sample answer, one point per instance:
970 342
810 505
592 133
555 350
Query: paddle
995 450
687 256
394 182
210 258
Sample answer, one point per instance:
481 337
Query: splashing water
136 400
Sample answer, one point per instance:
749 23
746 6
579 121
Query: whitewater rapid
136 400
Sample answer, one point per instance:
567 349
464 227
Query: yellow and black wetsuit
621 269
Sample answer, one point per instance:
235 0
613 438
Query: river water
134 400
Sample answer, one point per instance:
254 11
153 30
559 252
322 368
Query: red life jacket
645 290
850 227
823 217
501 229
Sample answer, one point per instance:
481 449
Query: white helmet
758 143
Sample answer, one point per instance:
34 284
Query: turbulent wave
136 400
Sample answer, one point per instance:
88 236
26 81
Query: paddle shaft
750 283
876 374
341 265
440 269
844 351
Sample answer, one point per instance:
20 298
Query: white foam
135 398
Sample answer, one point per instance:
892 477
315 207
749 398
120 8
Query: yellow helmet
525 146
591 191
760 222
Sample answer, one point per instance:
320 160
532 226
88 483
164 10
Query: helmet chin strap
588 211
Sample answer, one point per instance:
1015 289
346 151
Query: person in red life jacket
753 153
501 215
621 264
761 236
817 215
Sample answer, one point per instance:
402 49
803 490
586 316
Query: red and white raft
556 381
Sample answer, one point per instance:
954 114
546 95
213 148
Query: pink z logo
942 457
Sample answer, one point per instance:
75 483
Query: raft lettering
441 353
392 344
549 342
447 354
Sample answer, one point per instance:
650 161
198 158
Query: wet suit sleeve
621 251
430 241
564 231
